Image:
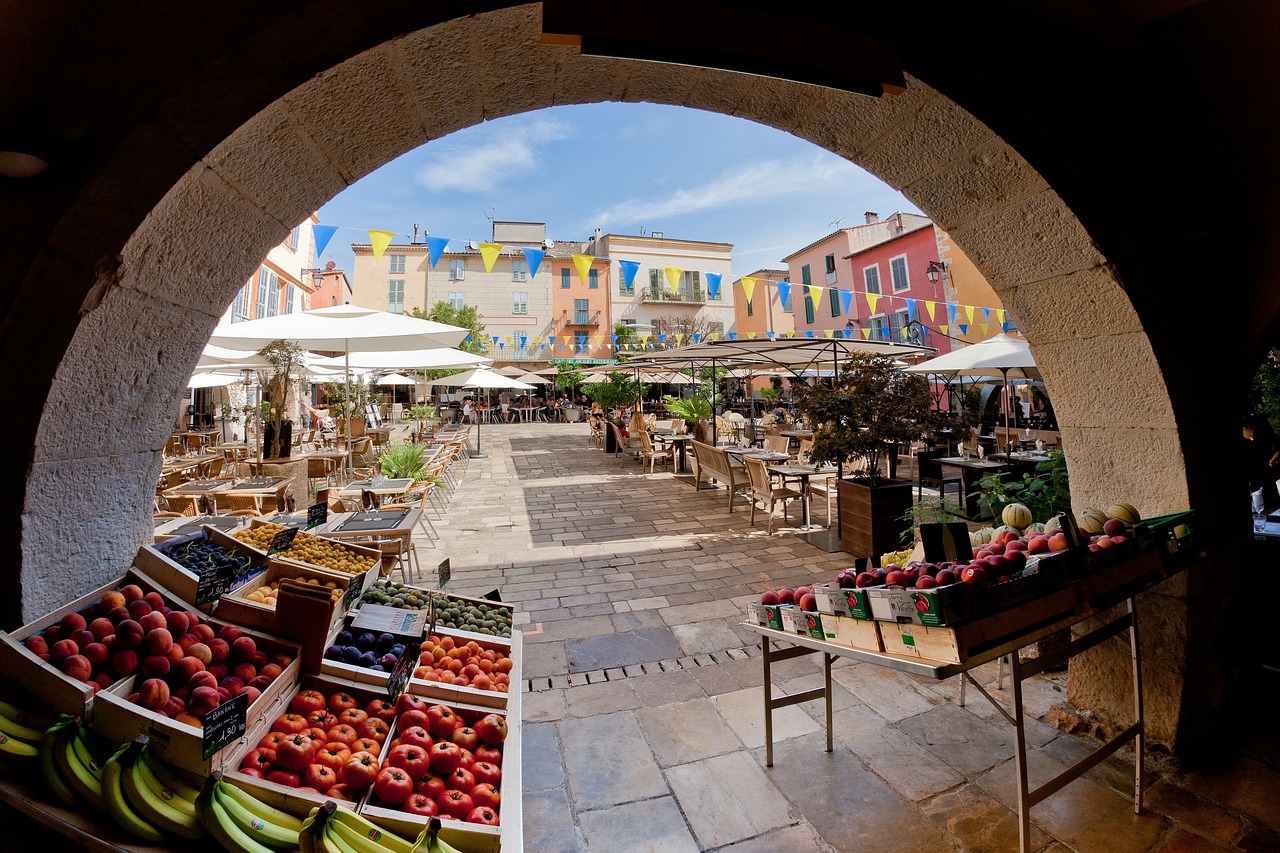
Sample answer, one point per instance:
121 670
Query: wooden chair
651 454
320 468
625 446
166 513
247 513
184 504
764 490
777 444
241 502
596 424
677 426
417 498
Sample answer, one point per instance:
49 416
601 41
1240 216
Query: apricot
156 666
138 608
204 700
153 694
110 600
153 620
157 641
78 667
124 662
62 650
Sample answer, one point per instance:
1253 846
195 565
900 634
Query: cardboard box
792 619
830 598
773 615
892 604
61 692
119 720
857 603
756 613
921 641
155 562
820 626
861 634
450 693
235 607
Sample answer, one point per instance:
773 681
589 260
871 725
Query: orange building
765 311
579 303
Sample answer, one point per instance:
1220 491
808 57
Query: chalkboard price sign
317 515
282 541
224 724
399 676
444 571
354 591
213 583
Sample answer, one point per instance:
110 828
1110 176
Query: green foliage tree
286 359
1046 493
570 376
697 410
616 391
1266 388
466 317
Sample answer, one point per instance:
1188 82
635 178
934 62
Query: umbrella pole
479 454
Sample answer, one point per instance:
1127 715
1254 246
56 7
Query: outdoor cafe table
183 463
973 470
795 435
801 473
375 524
681 442
172 527
356 488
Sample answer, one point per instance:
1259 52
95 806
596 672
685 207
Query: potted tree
277 432
698 411
868 410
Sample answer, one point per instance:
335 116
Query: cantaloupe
1093 519
1124 512
1016 515
981 536
1036 527
1007 528
1053 525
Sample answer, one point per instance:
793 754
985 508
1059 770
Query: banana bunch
69 766
240 822
429 840
20 733
897 558
330 829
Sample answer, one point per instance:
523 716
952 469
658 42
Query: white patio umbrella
480 377
512 370
395 379
212 380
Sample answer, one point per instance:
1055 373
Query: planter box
119 720
235 607
46 681
155 562
450 693
871 518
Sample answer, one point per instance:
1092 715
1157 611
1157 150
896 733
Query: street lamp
934 271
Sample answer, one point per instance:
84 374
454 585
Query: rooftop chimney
871 216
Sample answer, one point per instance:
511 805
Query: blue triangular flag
964 329
662 339
846 333
784 291
733 336
435 247
628 270
911 307
1004 327
323 234
615 339
697 336
808 333
846 298
770 335
534 257
713 283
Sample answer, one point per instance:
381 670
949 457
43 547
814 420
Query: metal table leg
770 704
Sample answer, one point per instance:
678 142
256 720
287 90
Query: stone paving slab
743 711
651 826
608 762
622 648
728 798
686 731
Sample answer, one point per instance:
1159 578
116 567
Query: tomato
341 701
485 771
454 804
417 736
343 733
486 796
261 759
322 719
441 721
409 719
359 771
381 709
375 728
251 771
272 739
445 757
492 729
340 791
491 754
465 737
285 777
461 778
307 701
483 815
295 752
367 744
412 759
333 755
320 777
409 702
353 717
317 734
467 760
290 724
421 804
431 785
392 786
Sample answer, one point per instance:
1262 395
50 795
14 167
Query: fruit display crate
468 606
367 577
469 837
355 670
236 607
158 562
58 690
118 719
450 693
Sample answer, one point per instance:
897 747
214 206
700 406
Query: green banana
19 731
365 830
429 840
220 825
169 778
26 716
12 749
339 844
117 802
264 831
169 796
258 808
313 838
86 782
50 744
155 809
80 744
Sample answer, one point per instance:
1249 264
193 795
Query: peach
62 650
187 719
230 633
78 667
155 599
110 600
260 681
187 667
271 670
36 644
281 659
173 707
175 653
97 653
156 666
201 679
242 649
252 692
131 592
220 649
103 680
129 633
225 694
187 640
204 700
72 622
118 614
182 691
231 683
138 608
124 662
154 619
246 672
52 634
157 641
201 652
153 694
82 637
178 623
259 658
203 632
219 670
102 627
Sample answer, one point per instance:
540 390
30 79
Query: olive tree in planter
277 433
859 420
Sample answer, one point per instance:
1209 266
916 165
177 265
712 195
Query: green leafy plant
285 358
1046 493
869 409
403 459
616 391
697 410
930 510
568 376
466 317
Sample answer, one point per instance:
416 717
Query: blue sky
623 168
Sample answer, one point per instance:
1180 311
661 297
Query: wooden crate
471 838
449 693
371 678
62 693
469 635
368 577
856 633
152 561
235 607
119 720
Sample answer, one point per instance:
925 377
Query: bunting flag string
628 270
748 287
784 291
673 278
713 284
379 240
489 254
435 248
323 234
582 263
846 299
534 258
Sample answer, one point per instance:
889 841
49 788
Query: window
691 286
264 281
241 303
751 311
831 269
871 275
519 269
805 277
581 307
898 272
834 297
520 302
395 296
456 301
897 322
593 279
808 306
879 327
397 264
293 237
457 269
786 303
273 296
290 294
565 277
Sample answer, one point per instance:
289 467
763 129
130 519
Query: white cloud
491 156
749 183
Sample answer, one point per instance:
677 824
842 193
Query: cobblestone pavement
643 720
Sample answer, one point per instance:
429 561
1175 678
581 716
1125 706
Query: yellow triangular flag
929 307
866 334
644 339
943 328
537 340
748 286
380 240
968 310
872 298
490 252
751 335
827 333
583 264
596 338
673 277
1000 317
815 292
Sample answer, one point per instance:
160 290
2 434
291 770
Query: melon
1007 528
1125 513
981 536
1053 525
1016 515
1093 519
1037 527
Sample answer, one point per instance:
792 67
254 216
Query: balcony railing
583 319
657 294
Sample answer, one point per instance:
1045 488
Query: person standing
504 401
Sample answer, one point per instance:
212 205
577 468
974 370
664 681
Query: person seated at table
780 413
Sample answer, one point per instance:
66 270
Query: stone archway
140 334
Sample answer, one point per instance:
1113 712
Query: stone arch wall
140 334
